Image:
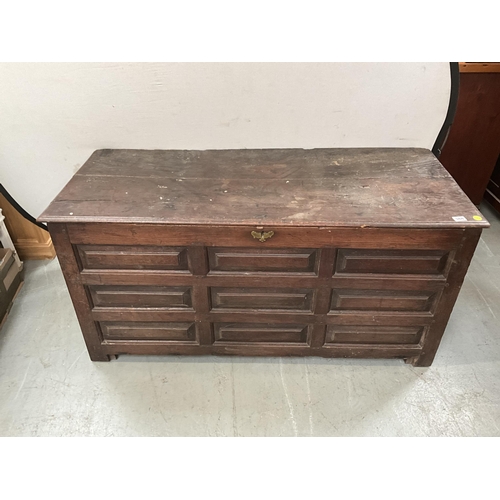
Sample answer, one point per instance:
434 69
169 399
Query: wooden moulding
285 237
31 241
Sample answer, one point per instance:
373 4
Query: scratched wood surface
398 187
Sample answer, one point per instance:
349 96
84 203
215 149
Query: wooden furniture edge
458 270
479 67
78 294
31 241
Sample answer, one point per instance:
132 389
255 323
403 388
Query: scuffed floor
49 387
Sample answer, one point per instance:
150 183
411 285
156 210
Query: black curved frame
20 209
452 109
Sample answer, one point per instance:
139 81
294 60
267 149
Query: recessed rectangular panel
260 333
148 331
382 300
336 334
141 296
289 299
133 257
360 261
255 260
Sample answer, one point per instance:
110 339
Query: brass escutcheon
261 235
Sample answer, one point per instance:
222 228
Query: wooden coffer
333 252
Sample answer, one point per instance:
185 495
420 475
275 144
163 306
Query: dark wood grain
359 274
383 282
287 261
177 332
245 333
141 296
272 187
391 262
382 300
445 306
141 314
381 318
79 294
291 299
290 237
132 257
378 335
328 351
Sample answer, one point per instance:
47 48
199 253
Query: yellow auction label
477 217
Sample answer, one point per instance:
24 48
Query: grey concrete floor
49 387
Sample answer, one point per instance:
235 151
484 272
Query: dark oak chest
323 252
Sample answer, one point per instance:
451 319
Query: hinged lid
403 187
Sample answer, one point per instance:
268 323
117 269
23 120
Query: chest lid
372 187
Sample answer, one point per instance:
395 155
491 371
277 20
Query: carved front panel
141 297
258 260
367 334
289 299
325 298
382 300
148 331
260 333
138 257
404 262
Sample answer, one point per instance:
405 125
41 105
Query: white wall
52 116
